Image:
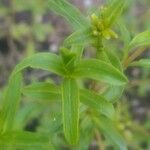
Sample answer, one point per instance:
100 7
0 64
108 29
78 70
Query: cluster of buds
100 27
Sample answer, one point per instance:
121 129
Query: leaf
69 12
125 35
26 113
46 61
79 37
114 11
94 101
113 93
10 103
70 110
99 70
141 40
114 59
25 139
42 91
78 49
145 63
97 102
110 132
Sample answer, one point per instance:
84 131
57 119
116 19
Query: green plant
88 88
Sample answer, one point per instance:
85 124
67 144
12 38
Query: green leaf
141 40
97 102
46 61
78 49
42 91
114 11
109 130
79 37
71 13
26 113
25 139
145 63
10 103
99 70
70 110
125 35
114 59
113 93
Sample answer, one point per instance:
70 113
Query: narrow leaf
46 61
10 103
114 11
145 63
114 59
110 132
42 91
71 13
97 102
25 139
79 37
99 70
94 101
125 35
113 93
70 110
142 39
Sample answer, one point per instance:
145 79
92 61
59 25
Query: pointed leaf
110 132
79 37
99 70
114 11
70 110
42 91
10 103
97 102
26 139
71 13
142 39
46 61
113 93
114 59
145 63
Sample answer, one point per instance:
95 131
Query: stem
99 140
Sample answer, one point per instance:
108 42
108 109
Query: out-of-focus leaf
71 13
78 49
142 39
125 35
99 70
79 37
109 130
94 101
10 103
42 91
97 102
113 93
145 63
70 110
25 139
114 10
46 61
114 59
26 112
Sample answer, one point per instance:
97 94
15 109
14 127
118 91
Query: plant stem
99 140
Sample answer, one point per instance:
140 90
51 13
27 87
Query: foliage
80 109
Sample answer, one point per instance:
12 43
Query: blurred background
27 27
